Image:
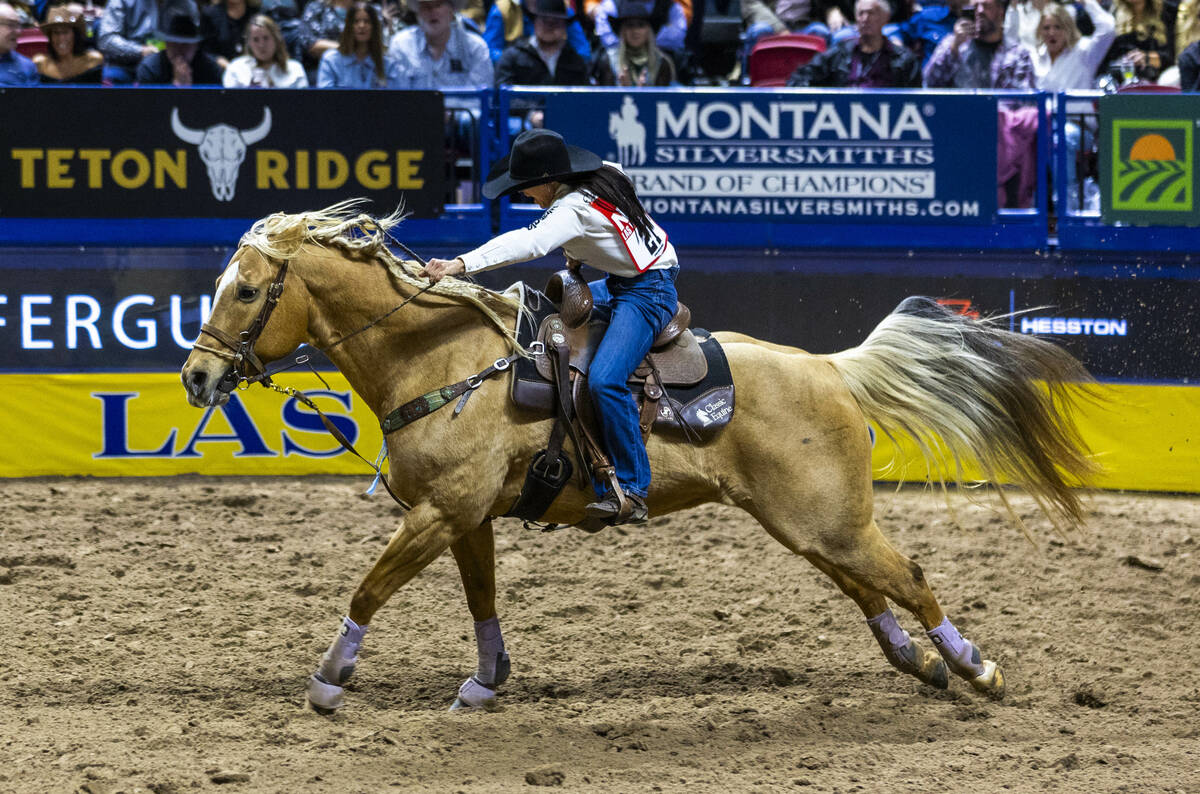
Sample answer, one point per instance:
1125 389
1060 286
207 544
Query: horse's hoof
934 671
324 697
991 681
474 696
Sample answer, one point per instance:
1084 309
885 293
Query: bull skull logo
222 148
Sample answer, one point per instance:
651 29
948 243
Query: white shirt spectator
244 72
1075 67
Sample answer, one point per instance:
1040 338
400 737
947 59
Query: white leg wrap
961 656
897 645
337 665
493 665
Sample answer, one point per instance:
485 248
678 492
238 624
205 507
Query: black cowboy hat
538 157
179 22
648 10
548 8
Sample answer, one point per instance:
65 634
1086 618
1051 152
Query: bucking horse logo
222 148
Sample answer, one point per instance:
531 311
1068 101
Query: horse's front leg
475 554
421 538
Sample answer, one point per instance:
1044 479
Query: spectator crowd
444 44
1024 44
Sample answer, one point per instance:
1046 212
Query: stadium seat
774 58
31 42
1148 88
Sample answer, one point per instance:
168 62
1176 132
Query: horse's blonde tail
969 392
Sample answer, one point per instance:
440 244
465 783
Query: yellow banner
1146 437
140 424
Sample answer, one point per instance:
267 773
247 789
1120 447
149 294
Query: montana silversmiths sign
1148 160
820 157
210 153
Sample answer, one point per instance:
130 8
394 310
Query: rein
240 351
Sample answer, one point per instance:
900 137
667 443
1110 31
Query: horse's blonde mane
345 228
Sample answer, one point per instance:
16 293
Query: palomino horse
797 456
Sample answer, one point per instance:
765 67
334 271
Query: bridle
240 350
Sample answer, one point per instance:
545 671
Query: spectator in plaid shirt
976 55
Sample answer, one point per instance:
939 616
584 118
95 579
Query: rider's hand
437 269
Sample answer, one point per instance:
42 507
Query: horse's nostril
198 379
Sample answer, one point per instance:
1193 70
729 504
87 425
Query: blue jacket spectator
358 61
508 22
15 68
925 30
439 52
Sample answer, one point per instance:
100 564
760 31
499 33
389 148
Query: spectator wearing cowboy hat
546 57
593 212
668 18
181 63
439 52
508 21
70 58
636 59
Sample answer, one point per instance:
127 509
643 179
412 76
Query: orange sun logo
1152 147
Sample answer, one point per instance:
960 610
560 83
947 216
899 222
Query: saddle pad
699 411
680 363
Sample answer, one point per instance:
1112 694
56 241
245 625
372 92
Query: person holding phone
976 55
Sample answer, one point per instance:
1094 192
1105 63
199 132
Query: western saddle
554 383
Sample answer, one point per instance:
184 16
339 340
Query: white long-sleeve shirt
1076 67
588 230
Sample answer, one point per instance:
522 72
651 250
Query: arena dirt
157 636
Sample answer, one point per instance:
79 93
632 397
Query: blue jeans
638 308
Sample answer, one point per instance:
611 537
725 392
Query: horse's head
259 315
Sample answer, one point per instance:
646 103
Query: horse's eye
247 293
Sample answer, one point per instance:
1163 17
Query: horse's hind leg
899 648
866 557
476 557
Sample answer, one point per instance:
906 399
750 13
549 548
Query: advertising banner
1148 172
125 424
210 153
102 310
797 157
108 310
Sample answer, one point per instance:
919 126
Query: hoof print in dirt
1086 696
545 776
224 776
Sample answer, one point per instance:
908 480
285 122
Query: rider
593 212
